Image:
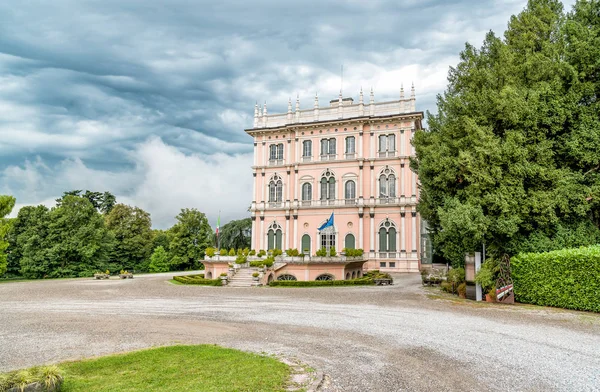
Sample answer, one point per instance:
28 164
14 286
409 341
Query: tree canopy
236 234
189 238
132 230
6 205
511 156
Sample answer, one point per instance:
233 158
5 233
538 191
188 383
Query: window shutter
391 142
392 185
392 239
382 143
383 240
323 188
332 146
324 145
331 188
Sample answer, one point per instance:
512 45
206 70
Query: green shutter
383 240
271 241
350 244
392 239
278 239
305 244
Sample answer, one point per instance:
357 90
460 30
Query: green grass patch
322 283
177 368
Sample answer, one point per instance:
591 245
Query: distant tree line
89 231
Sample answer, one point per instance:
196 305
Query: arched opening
353 274
387 239
306 244
324 277
359 274
350 192
347 275
349 242
208 275
270 278
274 236
286 277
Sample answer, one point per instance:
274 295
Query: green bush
231 252
447 287
223 252
462 289
353 252
268 262
276 252
322 252
255 275
332 251
321 283
245 251
567 278
261 253
241 259
210 252
455 277
252 253
376 274
292 252
197 280
487 275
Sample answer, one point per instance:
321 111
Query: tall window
387 239
306 244
350 192
387 145
328 187
307 149
327 238
328 149
275 190
387 184
274 236
350 242
276 152
350 146
306 193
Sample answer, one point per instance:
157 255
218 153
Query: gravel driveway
401 337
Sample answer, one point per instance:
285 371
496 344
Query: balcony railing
274 204
306 203
387 255
351 202
307 159
328 157
384 154
355 202
350 155
275 162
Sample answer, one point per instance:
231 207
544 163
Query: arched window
387 184
324 277
306 193
387 239
275 190
350 192
327 238
274 236
328 187
349 242
306 244
286 277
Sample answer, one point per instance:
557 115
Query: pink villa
350 159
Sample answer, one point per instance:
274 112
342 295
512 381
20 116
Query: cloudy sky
149 99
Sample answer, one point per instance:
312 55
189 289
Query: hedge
318 283
567 278
198 280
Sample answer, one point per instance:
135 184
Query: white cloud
162 180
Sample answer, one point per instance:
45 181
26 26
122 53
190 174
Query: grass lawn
177 368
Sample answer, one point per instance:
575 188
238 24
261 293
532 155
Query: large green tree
132 230
28 227
509 157
103 202
6 205
71 240
189 238
235 234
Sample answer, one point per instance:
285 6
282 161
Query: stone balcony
357 202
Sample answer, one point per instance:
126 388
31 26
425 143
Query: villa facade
350 159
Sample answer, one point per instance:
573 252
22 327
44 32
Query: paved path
388 338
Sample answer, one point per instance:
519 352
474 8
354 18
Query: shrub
487 275
261 253
376 274
322 252
566 278
332 251
241 259
246 251
320 283
447 287
252 253
277 252
50 377
455 277
223 252
197 280
353 252
462 289
231 252
159 261
255 275
292 252
223 274
210 252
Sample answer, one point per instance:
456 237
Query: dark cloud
84 86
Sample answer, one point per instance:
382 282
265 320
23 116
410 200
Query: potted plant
255 276
223 277
486 277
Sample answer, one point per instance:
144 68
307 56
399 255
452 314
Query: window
286 277
306 150
276 152
382 264
392 264
387 185
387 145
350 192
349 243
328 187
306 193
324 277
387 239
274 236
350 147
328 149
305 244
327 238
275 190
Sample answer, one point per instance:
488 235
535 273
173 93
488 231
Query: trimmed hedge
197 280
320 283
567 278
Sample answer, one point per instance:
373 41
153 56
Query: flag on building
218 223
328 223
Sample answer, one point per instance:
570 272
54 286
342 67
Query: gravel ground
401 337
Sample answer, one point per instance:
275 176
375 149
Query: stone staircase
243 278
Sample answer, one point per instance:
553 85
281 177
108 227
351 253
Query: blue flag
328 223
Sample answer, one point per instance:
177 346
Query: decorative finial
316 101
360 97
401 90
289 105
265 109
412 90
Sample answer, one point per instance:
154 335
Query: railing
275 162
383 154
328 157
351 202
306 203
350 155
307 159
329 202
355 202
387 255
274 204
